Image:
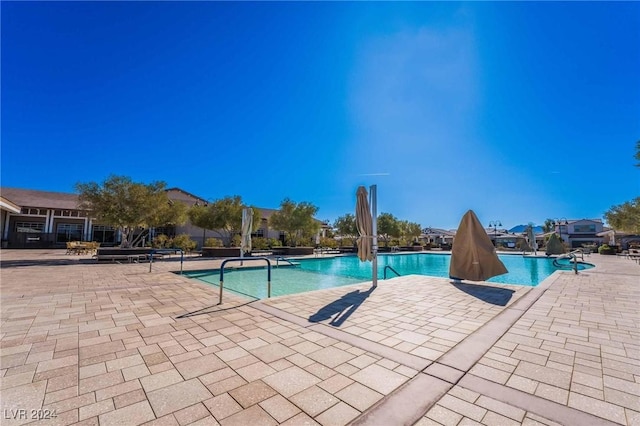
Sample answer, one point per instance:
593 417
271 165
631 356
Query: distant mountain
520 228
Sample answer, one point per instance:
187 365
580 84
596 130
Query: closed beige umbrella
364 225
532 240
473 256
247 225
554 245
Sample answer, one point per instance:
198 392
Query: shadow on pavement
494 295
341 308
43 262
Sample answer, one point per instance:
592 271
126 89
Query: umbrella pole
373 193
244 218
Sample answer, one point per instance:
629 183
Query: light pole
494 224
428 231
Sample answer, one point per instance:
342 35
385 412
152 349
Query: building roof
18 198
8 205
177 194
438 232
266 213
584 220
43 199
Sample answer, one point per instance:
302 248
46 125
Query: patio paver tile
314 400
301 419
338 415
279 408
134 414
252 393
177 396
222 406
95 409
129 398
379 378
359 396
253 415
291 381
191 414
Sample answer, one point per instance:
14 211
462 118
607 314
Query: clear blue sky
519 111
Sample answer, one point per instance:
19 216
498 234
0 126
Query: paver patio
110 344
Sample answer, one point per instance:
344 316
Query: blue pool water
320 273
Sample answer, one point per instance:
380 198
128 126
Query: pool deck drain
107 344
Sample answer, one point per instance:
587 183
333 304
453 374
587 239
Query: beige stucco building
42 219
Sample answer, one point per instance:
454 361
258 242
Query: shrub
259 243
606 249
236 241
184 242
161 241
349 242
213 242
328 242
274 242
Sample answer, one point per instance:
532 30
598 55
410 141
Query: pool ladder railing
278 259
240 259
385 272
573 257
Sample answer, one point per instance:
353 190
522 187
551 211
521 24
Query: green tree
296 220
388 227
409 231
549 225
130 206
199 216
345 225
625 217
223 217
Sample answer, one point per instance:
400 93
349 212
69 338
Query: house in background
438 236
6 208
47 219
576 233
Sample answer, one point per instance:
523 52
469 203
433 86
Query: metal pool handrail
240 259
385 271
572 256
283 259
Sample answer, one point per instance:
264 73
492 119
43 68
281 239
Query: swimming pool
320 273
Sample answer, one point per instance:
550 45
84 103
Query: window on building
584 228
68 232
34 212
103 234
169 231
30 227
